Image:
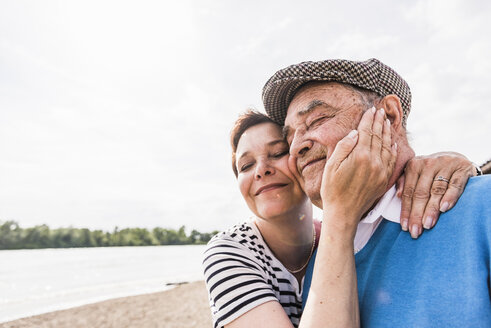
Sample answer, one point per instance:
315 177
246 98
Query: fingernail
414 231
404 224
444 207
428 222
353 134
373 109
388 122
382 111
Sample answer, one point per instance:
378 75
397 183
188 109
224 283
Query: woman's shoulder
242 241
240 234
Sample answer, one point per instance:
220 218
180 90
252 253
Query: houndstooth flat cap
371 74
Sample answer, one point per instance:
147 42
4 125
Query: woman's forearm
333 295
356 174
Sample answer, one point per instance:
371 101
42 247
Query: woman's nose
263 168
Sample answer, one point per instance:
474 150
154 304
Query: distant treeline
14 237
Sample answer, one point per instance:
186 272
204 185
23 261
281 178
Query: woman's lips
269 187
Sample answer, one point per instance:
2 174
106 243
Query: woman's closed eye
244 167
280 154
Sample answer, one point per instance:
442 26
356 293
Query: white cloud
118 113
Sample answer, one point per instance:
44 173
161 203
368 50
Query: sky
118 113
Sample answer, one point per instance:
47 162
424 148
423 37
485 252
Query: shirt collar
389 207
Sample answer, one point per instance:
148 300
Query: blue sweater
440 280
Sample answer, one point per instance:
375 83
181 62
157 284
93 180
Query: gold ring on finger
440 178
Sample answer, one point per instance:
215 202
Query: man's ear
393 109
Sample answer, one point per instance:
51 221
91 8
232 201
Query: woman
254 270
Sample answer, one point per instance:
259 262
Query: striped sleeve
235 280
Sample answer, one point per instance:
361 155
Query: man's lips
311 162
269 187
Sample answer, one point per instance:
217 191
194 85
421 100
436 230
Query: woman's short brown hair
245 121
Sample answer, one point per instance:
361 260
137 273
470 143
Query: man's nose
263 168
300 146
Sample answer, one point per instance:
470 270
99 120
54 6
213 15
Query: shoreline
71 304
185 305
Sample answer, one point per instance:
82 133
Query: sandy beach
183 306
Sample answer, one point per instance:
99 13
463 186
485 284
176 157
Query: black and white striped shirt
242 273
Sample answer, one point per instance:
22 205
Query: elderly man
443 279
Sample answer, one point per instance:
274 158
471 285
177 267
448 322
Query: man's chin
315 197
318 203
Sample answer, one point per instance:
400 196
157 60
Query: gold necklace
310 255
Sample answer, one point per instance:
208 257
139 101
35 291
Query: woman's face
266 183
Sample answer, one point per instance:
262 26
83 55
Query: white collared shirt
388 207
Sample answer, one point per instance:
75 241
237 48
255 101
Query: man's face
319 116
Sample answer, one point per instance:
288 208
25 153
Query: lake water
44 280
